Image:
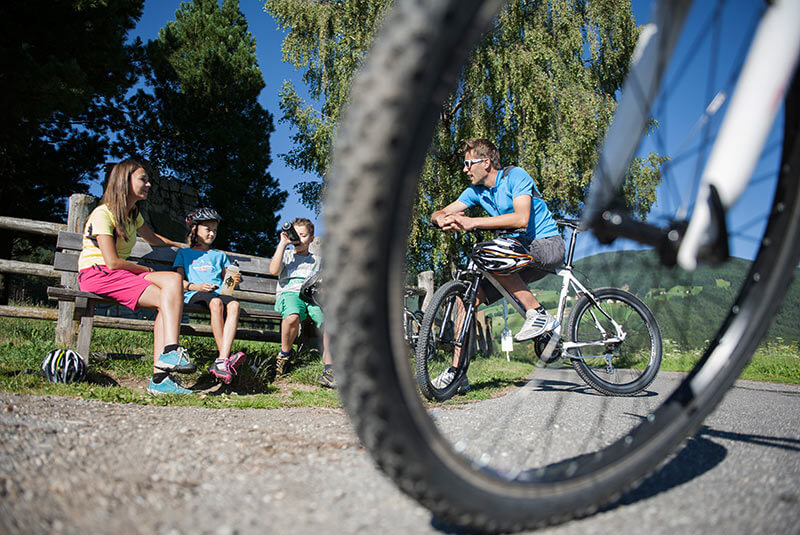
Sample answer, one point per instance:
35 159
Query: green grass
121 365
777 362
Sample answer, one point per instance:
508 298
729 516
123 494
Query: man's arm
438 217
512 220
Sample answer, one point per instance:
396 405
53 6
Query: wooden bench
256 322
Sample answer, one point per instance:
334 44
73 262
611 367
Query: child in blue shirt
203 270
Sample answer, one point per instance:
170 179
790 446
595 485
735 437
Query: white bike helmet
64 366
501 255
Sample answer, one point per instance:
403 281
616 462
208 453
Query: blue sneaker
176 360
167 386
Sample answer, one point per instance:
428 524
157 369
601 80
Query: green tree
199 120
328 40
65 66
542 85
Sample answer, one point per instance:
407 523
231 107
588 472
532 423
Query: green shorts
289 303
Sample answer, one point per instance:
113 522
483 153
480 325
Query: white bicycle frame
568 281
763 81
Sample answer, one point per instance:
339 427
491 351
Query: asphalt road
78 466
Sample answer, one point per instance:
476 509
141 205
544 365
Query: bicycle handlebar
432 225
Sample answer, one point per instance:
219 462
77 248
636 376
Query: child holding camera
293 267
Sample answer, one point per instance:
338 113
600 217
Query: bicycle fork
461 331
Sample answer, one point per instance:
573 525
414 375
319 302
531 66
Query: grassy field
121 365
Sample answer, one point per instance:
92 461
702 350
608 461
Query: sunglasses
470 163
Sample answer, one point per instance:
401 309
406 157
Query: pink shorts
118 284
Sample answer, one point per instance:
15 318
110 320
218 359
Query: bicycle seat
571 223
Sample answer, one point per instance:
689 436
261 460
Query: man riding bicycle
511 198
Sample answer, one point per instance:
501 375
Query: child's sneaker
236 360
280 363
221 370
167 386
327 379
176 360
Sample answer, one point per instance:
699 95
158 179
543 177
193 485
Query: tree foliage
328 40
542 85
65 65
199 120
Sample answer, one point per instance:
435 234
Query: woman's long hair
116 195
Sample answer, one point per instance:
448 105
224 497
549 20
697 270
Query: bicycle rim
511 464
620 343
437 343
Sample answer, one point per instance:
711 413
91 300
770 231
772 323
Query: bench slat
258 289
66 294
73 241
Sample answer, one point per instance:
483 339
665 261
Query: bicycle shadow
560 386
700 455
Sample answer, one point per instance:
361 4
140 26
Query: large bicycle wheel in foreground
548 449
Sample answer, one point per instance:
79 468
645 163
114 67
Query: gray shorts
548 255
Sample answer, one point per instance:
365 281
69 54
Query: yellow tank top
101 221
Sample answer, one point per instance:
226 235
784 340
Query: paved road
78 466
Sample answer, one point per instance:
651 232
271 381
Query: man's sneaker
167 386
536 324
176 360
280 362
236 360
220 368
327 379
444 379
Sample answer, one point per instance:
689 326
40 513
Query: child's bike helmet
202 214
501 255
64 366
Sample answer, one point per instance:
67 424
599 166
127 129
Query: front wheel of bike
618 342
540 450
437 343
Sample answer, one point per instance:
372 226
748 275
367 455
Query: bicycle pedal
549 354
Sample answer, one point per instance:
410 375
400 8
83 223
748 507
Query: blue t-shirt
499 200
201 266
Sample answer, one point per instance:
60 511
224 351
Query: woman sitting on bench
108 238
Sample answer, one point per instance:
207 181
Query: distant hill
688 306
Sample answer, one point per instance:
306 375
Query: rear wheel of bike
540 450
612 366
436 345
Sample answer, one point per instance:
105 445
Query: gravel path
78 466
81 466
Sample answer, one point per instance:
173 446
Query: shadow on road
700 455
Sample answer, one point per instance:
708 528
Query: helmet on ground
64 366
501 255
202 214
311 290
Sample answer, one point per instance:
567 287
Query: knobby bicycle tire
428 342
648 333
379 150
